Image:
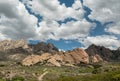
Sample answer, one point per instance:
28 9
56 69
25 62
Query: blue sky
67 24
62 44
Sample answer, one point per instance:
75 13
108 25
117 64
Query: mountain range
47 54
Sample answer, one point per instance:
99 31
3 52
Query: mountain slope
105 53
43 48
13 48
19 50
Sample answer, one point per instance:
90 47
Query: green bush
96 71
109 76
69 78
96 66
2 79
17 78
2 65
116 77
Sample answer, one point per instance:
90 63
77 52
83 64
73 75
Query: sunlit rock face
68 58
12 44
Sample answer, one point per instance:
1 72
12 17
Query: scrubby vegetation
110 76
94 72
17 78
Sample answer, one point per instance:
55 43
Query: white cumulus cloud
15 22
52 11
106 11
111 42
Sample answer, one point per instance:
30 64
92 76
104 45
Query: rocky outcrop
95 59
16 57
31 60
74 57
18 46
48 54
43 59
43 48
12 44
13 50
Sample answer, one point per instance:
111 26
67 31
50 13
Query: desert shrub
69 78
49 76
95 71
2 65
96 66
85 70
116 77
105 76
2 79
17 78
18 63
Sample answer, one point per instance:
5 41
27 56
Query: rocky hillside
43 48
74 57
48 54
13 49
19 49
12 44
118 49
116 54
105 53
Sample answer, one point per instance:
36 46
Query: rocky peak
13 48
43 48
92 46
103 52
118 49
12 44
116 54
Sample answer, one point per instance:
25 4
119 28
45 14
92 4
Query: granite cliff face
43 59
76 56
69 58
